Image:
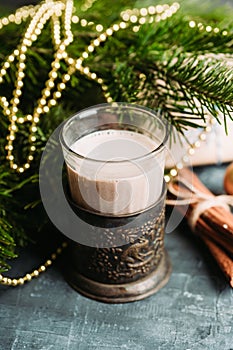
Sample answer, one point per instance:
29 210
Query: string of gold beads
134 16
137 17
41 13
87 5
45 12
207 28
186 159
20 15
7 281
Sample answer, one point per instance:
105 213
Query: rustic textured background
193 311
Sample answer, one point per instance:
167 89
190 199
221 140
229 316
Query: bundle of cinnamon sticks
214 225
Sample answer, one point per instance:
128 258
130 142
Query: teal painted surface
193 311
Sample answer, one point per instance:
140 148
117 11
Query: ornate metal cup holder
116 274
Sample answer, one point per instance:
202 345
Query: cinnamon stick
214 227
223 260
202 228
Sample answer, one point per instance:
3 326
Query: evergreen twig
182 71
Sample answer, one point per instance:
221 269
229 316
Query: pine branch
166 65
177 79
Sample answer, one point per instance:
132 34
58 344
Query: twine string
187 194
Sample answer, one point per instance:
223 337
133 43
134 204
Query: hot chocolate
107 176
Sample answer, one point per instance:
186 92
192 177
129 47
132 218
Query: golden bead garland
56 11
186 159
62 11
14 282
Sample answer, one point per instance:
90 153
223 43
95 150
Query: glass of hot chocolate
115 158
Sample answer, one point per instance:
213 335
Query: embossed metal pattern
127 263
132 261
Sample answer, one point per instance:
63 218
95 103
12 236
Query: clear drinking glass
115 158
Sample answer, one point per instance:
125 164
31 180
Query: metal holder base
124 292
